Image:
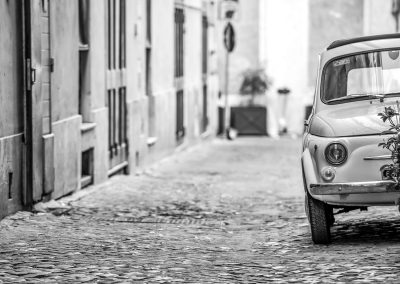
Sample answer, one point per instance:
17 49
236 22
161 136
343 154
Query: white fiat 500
350 156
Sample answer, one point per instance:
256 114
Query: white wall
378 18
284 53
245 54
193 67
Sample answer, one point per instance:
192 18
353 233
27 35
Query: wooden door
33 101
116 87
179 73
204 119
12 124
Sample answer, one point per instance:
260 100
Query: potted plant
255 83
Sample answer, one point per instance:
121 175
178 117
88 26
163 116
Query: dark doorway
13 136
179 73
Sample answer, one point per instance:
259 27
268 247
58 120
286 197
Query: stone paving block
223 213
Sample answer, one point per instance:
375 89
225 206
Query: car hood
349 121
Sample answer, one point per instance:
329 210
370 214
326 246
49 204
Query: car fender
309 168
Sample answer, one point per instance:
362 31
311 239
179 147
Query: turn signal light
336 154
328 173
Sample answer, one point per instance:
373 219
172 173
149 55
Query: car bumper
354 188
375 193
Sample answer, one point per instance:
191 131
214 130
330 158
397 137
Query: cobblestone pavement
227 212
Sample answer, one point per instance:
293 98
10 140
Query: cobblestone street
223 212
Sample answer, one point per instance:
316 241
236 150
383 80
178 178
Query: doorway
15 189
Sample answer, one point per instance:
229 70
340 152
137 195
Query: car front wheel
320 220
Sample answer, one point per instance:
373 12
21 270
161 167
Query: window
148 47
116 41
84 67
151 100
362 76
87 168
83 22
373 81
205 44
204 120
179 31
122 34
116 89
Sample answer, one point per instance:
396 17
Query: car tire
331 216
320 220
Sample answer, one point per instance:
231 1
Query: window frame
324 70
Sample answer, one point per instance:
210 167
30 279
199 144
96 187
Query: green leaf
383 145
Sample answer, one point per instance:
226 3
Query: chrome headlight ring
336 153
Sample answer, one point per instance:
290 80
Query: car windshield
363 76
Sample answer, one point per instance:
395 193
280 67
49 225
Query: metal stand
226 105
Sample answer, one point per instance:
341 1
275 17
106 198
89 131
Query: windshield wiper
393 94
352 96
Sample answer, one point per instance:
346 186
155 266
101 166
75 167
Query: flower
388 113
392 143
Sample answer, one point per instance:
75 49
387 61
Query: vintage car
347 162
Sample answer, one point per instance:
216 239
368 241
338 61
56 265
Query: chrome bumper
353 188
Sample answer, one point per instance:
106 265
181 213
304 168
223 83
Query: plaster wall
246 52
378 18
136 35
46 67
100 152
66 121
193 69
99 112
330 21
11 161
64 49
67 162
160 103
162 42
97 53
214 79
284 55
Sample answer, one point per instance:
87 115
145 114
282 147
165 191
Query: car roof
343 42
356 45
347 47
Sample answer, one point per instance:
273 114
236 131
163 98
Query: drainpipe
396 12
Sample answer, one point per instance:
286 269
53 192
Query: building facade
285 37
94 88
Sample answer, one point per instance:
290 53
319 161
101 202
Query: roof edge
343 42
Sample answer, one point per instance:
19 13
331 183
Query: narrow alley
225 212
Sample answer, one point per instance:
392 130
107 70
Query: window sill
85 127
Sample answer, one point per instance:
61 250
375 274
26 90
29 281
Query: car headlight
336 153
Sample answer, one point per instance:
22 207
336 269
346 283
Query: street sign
229 37
229 10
